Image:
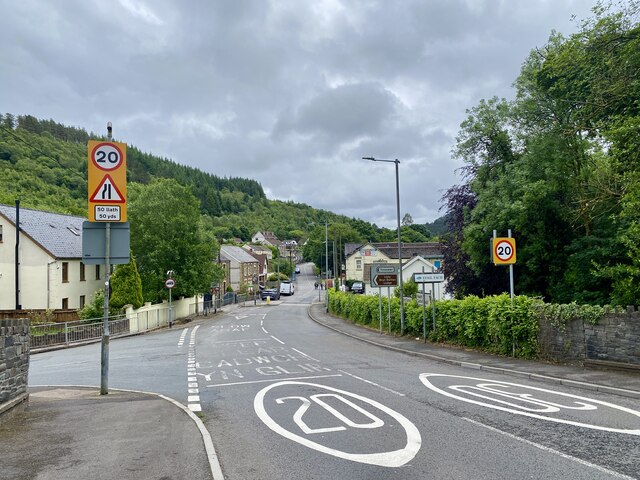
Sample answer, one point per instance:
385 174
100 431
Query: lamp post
397 162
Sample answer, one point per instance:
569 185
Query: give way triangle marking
107 192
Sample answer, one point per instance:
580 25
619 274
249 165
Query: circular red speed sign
504 250
107 156
169 283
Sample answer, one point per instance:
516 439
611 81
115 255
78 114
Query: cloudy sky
291 93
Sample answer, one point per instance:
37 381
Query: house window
0 233
82 301
358 264
97 272
82 278
65 272
65 304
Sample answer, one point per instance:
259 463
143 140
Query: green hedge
494 324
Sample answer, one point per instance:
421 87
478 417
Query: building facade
50 273
415 256
241 268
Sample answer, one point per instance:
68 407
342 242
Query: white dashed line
304 354
372 383
193 399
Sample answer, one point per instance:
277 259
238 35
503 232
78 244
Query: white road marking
193 401
264 330
372 383
271 380
486 386
302 353
182 337
395 458
551 450
277 340
244 341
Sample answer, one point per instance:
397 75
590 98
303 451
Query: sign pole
104 358
380 307
424 312
510 271
389 306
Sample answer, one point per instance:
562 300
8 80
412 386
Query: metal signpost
431 278
170 283
107 202
384 275
503 252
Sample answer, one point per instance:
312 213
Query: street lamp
397 162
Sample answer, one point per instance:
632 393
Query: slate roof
60 235
409 250
238 254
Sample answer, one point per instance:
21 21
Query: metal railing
67 333
51 334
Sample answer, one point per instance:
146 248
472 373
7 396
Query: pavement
74 433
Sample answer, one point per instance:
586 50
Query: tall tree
167 234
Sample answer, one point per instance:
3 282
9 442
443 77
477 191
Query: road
284 397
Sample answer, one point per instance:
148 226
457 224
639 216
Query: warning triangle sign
107 192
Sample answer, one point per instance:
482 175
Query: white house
361 257
51 274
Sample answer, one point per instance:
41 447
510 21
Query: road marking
551 450
243 341
264 330
302 353
371 383
395 458
277 340
271 380
492 387
182 337
193 401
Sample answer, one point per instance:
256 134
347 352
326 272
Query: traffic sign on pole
107 181
503 250
169 283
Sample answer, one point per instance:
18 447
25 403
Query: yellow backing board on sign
107 181
503 250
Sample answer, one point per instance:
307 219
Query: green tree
126 286
167 234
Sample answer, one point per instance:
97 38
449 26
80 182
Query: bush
495 324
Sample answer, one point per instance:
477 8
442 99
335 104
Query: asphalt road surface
284 397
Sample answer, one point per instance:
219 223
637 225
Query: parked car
286 288
357 287
271 293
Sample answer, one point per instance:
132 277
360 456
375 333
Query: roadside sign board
107 181
94 242
384 275
428 277
169 283
503 250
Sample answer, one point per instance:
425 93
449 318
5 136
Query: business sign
107 181
428 277
503 250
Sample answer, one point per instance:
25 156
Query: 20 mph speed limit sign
107 181
503 250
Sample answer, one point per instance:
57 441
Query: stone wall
14 359
616 338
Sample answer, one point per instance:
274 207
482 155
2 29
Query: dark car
271 293
357 287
